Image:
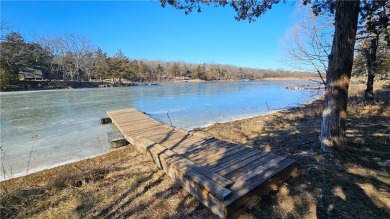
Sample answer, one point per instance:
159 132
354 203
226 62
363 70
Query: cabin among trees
31 75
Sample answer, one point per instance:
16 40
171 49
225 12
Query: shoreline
291 79
235 119
49 167
349 183
25 86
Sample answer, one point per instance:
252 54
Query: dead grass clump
78 178
15 201
358 108
27 201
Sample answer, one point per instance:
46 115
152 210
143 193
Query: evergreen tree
13 52
102 68
7 76
119 67
160 71
175 70
373 25
197 72
144 71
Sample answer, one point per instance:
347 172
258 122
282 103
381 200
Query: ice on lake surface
43 129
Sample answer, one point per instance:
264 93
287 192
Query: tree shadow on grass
352 183
127 197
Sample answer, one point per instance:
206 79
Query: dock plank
165 137
210 185
241 163
242 170
210 154
239 181
182 144
245 186
210 174
236 160
155 130
212 158
204 144
228 157
201 146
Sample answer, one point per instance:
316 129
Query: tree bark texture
371 68
334 116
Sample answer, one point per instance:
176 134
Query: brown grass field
351 183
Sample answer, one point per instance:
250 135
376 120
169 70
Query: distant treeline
73 58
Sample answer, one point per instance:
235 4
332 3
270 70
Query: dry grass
122 183
354 183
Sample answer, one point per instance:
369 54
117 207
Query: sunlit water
43 129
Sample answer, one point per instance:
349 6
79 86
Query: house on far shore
31 75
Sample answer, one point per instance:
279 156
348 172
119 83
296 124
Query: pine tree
102 68
175 70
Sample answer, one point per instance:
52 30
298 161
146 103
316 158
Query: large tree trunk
338 76
371 68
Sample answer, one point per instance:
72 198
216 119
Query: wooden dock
224 176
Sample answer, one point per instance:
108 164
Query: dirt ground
351 183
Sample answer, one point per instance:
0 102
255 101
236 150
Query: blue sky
145 30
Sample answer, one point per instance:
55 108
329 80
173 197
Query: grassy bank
353 183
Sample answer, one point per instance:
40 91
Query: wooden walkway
224 176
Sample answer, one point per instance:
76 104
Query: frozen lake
43 129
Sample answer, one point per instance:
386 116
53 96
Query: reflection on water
41 129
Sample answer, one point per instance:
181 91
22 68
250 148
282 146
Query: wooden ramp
224 176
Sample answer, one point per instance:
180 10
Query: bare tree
56 48
72 56
4 29
78 47
308 43
89 64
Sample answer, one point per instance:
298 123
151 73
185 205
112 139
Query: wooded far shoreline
24 85
71 61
